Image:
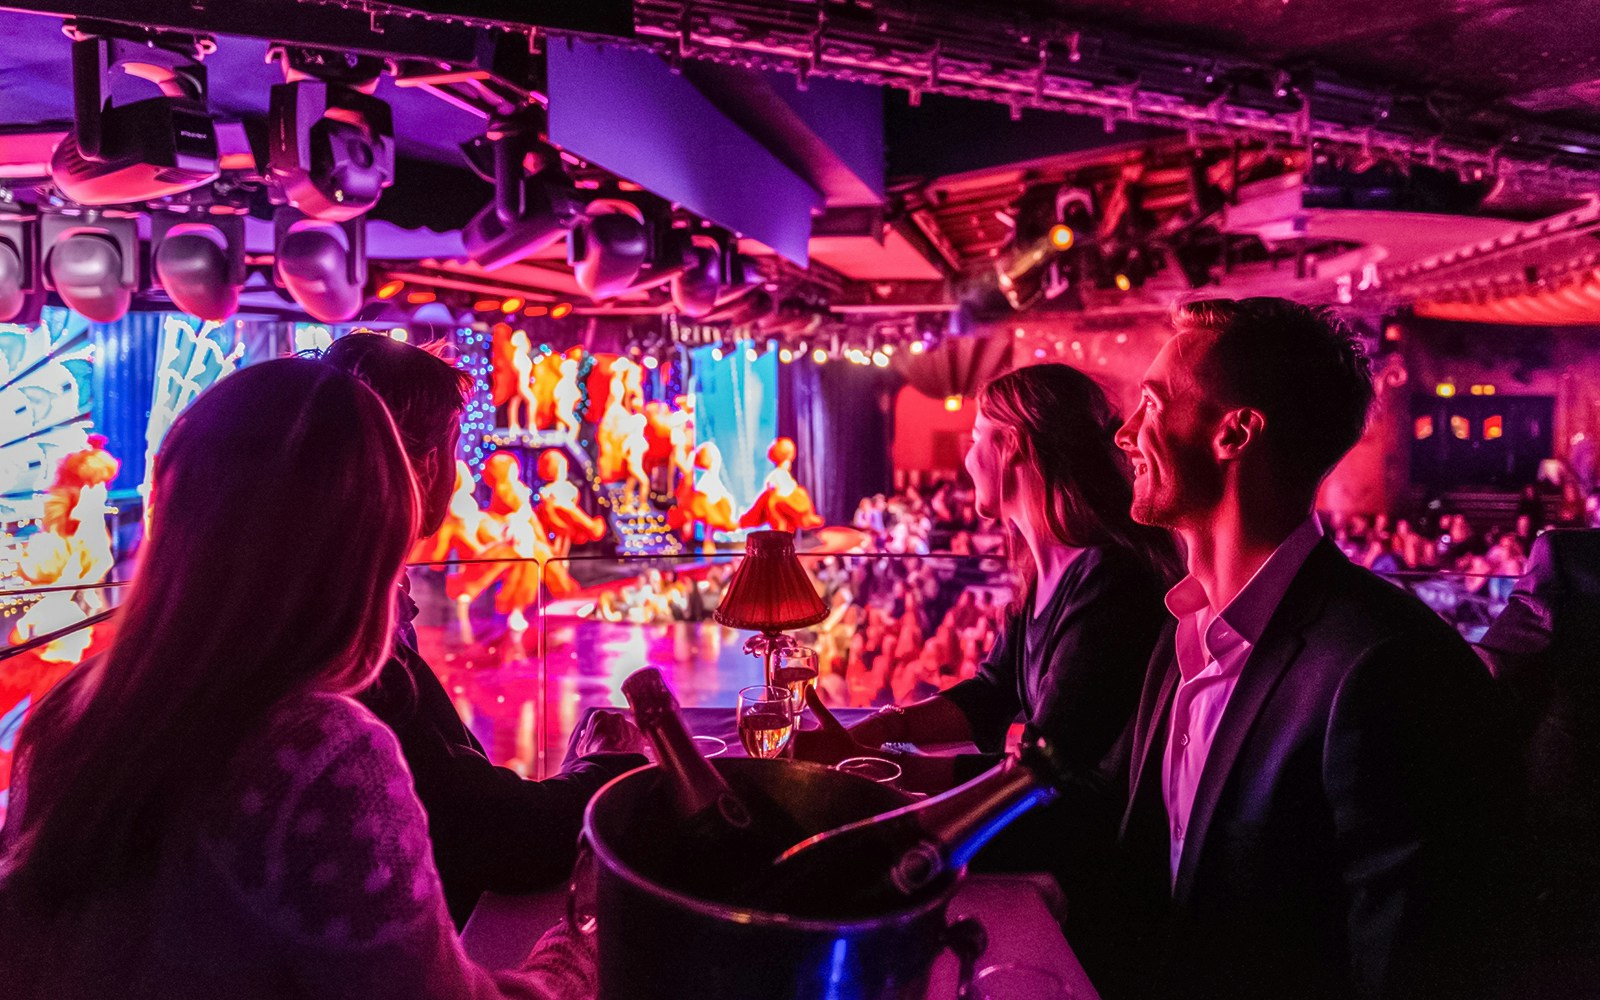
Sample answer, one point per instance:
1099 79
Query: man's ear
1238 431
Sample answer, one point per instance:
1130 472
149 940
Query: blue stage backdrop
736 408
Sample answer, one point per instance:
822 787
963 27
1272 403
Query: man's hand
610 732
829 744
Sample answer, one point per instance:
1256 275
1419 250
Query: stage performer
616 427
635 444
566 396
682 460
490 828
704 502
558 508
522 390
658 432
523 538
784 504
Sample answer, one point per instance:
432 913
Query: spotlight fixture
330 144
92 262
1061 236
511 304
144 149
561 310
716 353
609 247
21 293
819 356
322 264
389 289
530 211
711 264
199 262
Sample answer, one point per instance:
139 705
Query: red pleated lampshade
770 591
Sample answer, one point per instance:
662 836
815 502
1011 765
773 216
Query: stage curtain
127 354
841 418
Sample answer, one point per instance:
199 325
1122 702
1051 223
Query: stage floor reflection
495 681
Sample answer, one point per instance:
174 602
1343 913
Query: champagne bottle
883 862
716 843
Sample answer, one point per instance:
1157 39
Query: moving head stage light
21 294
151 148
330 145
529 211
92 262
322 265
199 261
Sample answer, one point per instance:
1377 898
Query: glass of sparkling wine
795 668
766 720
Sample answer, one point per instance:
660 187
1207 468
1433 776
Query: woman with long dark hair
204 811
1073 654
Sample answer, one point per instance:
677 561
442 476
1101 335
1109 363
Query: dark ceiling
1543 56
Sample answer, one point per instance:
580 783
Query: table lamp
770 593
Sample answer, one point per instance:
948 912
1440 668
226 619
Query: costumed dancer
567 394
704 501
559 509
784 503
522 391
512 536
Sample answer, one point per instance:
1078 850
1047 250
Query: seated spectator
491 829
205 811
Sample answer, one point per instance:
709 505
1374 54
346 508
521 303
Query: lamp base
766 645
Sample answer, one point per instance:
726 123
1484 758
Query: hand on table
610 732
832 742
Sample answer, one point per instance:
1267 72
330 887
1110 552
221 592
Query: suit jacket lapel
1160 681
1280 643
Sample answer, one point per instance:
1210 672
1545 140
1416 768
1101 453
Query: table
723 724
1019 912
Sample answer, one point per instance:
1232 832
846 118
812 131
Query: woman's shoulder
321 834
1117 574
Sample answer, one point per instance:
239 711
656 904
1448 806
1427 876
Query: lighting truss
1051 64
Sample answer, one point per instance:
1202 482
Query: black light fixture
609 247
535 202
140 150
21 292
322 264
330 144
92 262
199 261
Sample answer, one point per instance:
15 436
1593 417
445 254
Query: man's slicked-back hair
425 395
1299 365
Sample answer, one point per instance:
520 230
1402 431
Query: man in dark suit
491 828
1314 773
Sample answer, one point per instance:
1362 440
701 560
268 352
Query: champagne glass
795 668
766 720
